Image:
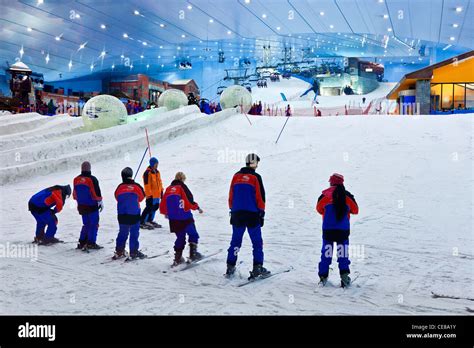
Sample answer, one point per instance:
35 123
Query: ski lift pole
242 110
144 154
287 118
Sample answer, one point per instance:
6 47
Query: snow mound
68 148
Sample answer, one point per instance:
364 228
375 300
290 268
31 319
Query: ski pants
255 234
192 233
152 206
90 226
124 231
47 218
326 257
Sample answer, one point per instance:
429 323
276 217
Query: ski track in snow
415 203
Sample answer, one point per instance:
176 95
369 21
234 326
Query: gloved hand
262 217
200 210
149 202
101 205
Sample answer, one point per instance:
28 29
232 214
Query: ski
435 295
253 280
129 259
190 264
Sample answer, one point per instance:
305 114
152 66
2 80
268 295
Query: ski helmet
153 161
251 158
66 190
127 173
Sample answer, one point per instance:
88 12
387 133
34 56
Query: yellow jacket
152 183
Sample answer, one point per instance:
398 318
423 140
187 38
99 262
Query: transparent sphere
234 96
103 111
172 99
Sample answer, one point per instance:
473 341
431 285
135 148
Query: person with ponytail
335 205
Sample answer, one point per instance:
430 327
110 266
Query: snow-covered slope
412 178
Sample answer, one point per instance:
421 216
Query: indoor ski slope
412 178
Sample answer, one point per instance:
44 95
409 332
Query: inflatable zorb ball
103 111
235 96
172 99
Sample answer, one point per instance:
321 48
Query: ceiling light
452 38
57 38
455 25
136 13
385 16
29 29
40 2
380 1
190 7
21 51
78 16
161 47
458 9
179 47
162 65
264 15
247 1
278 28
211 20
321 13
159 57
113 66
70 64
162 25
142 56
389 29
147 66
331 26
183 36
47 58
144 43
125 35
229 32
102 54
102 26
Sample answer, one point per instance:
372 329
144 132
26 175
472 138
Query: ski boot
145 226
345 280
137 255
50 241
154 224
258 272
230 270
119 254
38 240
82 244
94 246
194 255
178 257
323 280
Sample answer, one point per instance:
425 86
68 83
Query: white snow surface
411 176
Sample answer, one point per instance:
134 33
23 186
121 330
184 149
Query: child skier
176 205
247 211
41 207
153 191
128 194
89 204
335 205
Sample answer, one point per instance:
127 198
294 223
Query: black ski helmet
66 190
251 158
127 173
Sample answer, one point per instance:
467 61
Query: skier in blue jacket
247 211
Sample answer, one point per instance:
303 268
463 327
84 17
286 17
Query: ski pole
287 118
148 141
242 110
144 154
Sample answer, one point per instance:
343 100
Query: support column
423 92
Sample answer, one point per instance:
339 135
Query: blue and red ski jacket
178 202
86 193
47 199
246 191
325 207
129 194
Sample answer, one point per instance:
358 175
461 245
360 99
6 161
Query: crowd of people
209 108
246 202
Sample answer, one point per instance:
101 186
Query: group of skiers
247 212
